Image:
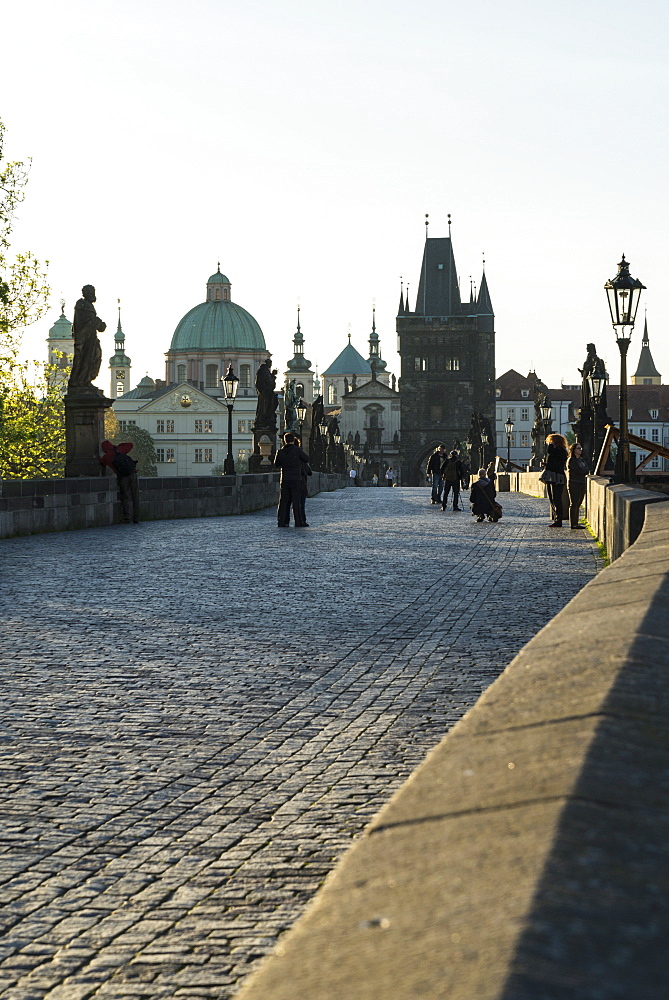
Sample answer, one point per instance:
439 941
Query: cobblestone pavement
198 717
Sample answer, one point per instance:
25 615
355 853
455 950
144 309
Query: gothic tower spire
119 363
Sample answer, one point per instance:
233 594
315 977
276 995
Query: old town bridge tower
447 351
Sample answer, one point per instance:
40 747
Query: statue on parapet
289 401
87 351
267 397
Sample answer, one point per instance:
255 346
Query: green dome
218 326
61 329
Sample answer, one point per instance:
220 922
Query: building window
241 427
420 364
511 413
642 432
170 455
211 377
654 463
332 394
525 414
208 427
124 424
524 440
198 426
160 426
218 294
181 373
198 454
160 454
299 390
453 365
498 393
655 434
170 426
654 414
242 455
524 393
208 455
245 376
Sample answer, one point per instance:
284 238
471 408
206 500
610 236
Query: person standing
577 470
289 460
434 464
117 459
375 480
554 475
481 498
306 472
390 475
452 474
353 477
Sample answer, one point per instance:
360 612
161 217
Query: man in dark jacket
117 459
434 469
453 474
290 460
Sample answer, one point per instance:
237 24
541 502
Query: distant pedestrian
353 477
452 474
375 480
390 475
554 475
306 472
482 498
117 459
434 464
290 460
491 474
577 470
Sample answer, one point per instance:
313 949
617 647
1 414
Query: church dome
62 328
218 324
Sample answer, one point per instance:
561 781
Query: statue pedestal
84 432
264 439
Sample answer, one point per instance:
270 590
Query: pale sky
302 144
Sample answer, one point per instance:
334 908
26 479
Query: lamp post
230 383
509 431
596 384
623 293
546 411
323 427
484 444
301 413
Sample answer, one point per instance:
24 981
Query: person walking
577 470
481 498
289 460
117 459
452 474
353 477
554 475
434 469
390 475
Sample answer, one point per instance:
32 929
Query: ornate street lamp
301 413
230 383
623 293
484 444
508 426
597 385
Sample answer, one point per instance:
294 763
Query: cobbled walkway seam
186 751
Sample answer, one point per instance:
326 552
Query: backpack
450 473
122 464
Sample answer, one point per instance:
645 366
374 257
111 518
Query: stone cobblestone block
186 754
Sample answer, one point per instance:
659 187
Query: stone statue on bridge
87 351
592 417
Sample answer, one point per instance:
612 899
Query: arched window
299 390
211 377
245 376
332 394
225 295
181 373
218 294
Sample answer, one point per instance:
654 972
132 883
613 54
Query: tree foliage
32 424
144 450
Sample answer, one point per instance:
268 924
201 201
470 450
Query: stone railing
31 506
528 857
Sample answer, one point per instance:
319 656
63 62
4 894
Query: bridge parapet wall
528 856
32 506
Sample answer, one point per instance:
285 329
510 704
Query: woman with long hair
554 475
577 470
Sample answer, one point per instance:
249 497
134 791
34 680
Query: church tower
119 363
646 373
299 369
61 349
447 351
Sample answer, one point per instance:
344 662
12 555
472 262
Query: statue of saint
87 351
289 401
267 397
